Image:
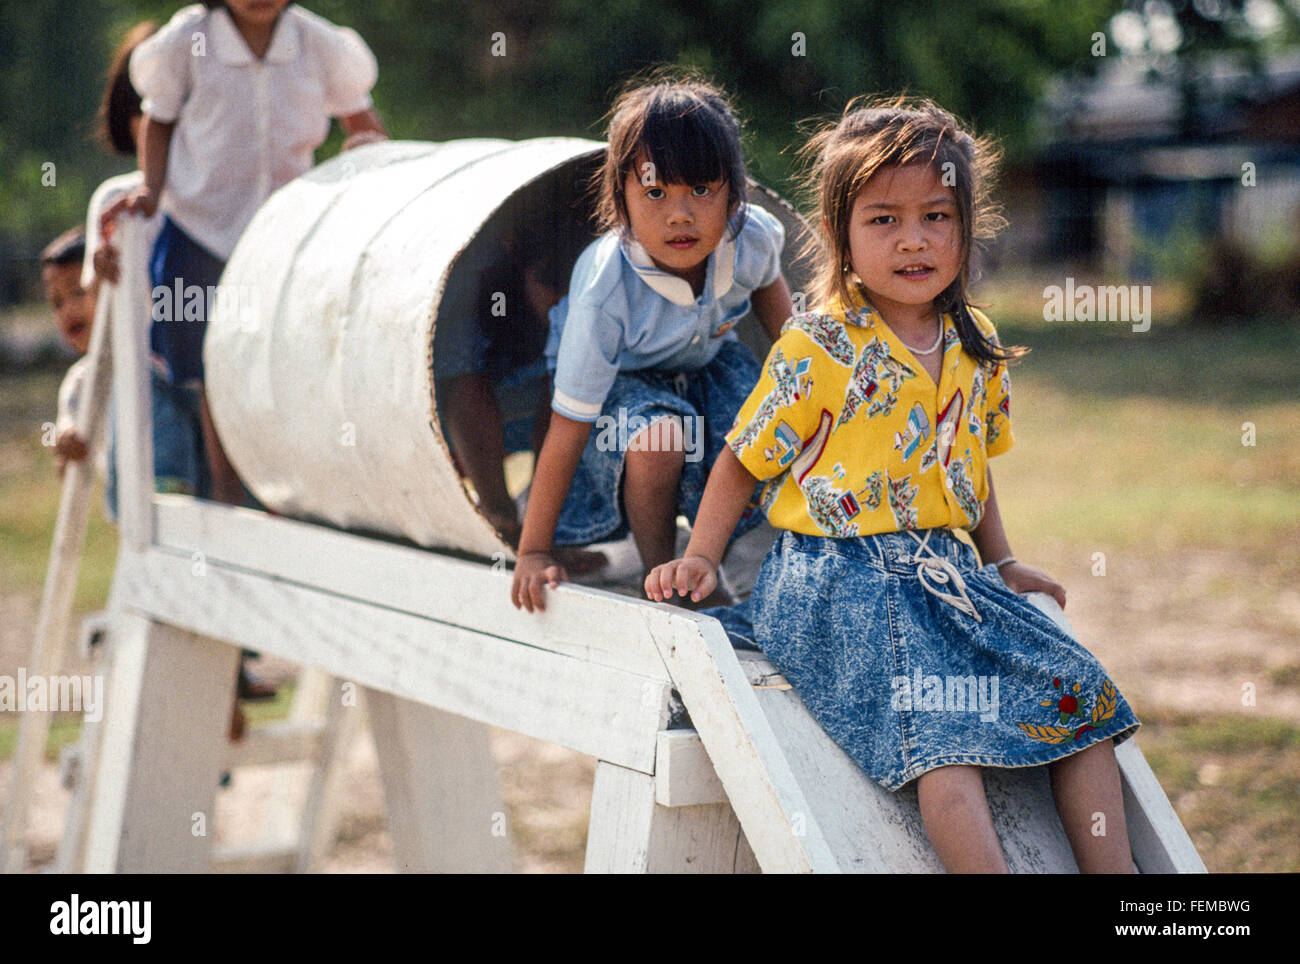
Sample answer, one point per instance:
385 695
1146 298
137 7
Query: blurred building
1134 159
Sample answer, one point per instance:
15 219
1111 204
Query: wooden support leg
631 833
441 790
163 745
320 814
284 811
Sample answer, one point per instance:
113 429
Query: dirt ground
1175 636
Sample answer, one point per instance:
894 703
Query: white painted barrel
319 356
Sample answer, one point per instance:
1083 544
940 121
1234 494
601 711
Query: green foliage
987 60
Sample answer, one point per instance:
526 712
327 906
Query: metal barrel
319 354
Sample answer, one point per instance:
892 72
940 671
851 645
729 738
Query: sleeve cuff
570 407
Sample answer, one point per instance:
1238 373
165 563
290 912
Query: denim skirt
914 657
707 401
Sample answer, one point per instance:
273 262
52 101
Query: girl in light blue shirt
642 349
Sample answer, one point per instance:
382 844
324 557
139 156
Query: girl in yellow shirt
871 429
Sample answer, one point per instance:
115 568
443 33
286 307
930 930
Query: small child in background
74 314
237 97
644 338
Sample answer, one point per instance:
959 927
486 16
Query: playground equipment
321 386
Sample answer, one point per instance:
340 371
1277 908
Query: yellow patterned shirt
853 436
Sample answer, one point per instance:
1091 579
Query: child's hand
141 200
534 571
1022 578
70 445
105 262
692 576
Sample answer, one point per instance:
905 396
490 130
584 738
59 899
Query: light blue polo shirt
624 314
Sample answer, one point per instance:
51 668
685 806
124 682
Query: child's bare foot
579 560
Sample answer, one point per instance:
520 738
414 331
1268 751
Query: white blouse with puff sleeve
244 126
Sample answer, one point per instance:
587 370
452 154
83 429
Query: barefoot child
237 97
872 427
643 341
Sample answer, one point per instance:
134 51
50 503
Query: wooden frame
439 653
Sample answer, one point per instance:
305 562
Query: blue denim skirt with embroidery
907 678
706 400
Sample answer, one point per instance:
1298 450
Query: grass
1128 439
1232 781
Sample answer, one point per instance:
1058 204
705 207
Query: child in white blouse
237 97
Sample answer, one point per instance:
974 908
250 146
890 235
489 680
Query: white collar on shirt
229 47
678 290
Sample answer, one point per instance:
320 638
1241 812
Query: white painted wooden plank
594 709
319 821
1160 842
71 856
276 743
49 643
131 388
745 753
441 792
284 814
109 780
160 768
630 833
580 622
683 774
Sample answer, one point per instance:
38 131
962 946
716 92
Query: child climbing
642 347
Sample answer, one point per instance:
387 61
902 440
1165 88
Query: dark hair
685 127
873 134
543 243
121 102
68 248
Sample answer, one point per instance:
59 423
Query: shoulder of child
807 325
762 227
317 27
598 272
178 28
159 66
985 326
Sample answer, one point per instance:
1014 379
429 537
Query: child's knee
663 436
655 455
951 786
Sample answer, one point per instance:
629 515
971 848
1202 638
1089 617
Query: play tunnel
323 350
